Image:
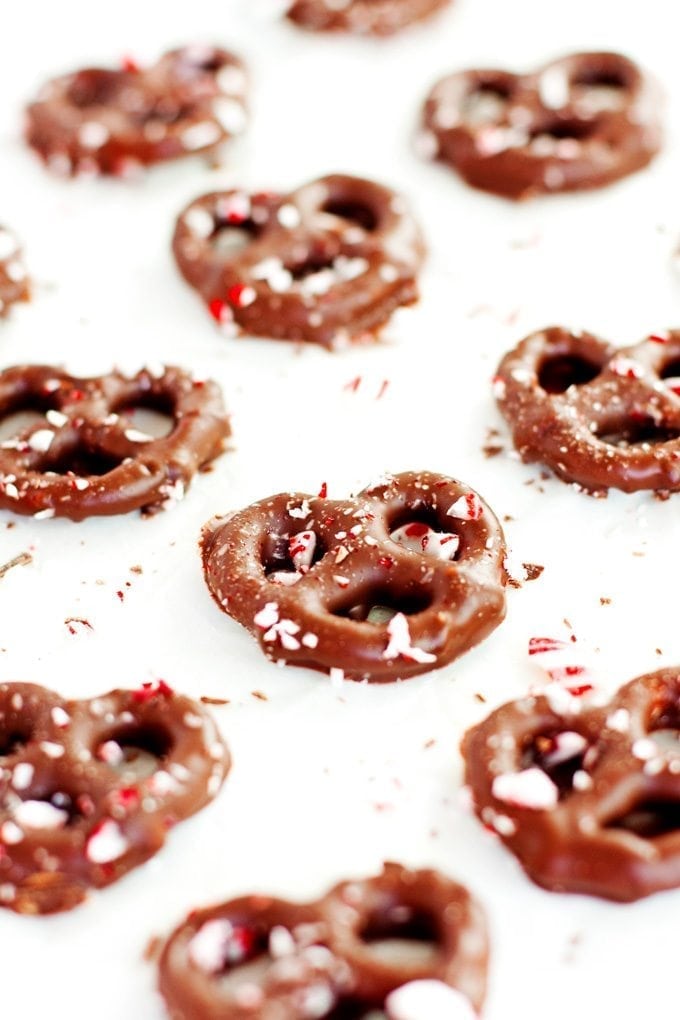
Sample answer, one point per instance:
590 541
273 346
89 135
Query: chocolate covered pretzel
13 276
580 122
113 121
83 456
365 17
89 789
326 263
402 938
399 580
597 415
587 798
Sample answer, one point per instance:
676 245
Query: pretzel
586 799
366 17
326 263
258 958
580 122
401 579
13 277
85 457
597 415
89 789
118 121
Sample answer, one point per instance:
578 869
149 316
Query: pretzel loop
89 789
580 122
588 799
403 578
84 456
325 263
597 415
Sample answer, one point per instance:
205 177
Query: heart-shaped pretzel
325 263
89 789
13 276
85 458
580 122
401 579
258 958
597 415
587 798
115 121
365 17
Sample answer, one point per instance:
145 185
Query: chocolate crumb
605 600
533 570
205 700
17 561
136 569
152 950
429 743
260 695
71 620
480 697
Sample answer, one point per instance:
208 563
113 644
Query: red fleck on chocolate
153 689
130 64
127 798
237 294
387 562
659 338
219 310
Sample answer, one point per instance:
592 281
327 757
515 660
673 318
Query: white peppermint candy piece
466 508
39 814
417 537
400 642
428 1000
531 788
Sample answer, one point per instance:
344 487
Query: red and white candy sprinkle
399 643
107 843
420 538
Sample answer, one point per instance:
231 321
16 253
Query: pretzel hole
560 755
355 212
398 933
671 372
14 739
486 104
142 750
558 373
81 461
154 416
378 605
636 432
228 240
649 818
598 90
561 130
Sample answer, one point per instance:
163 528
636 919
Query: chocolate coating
258 958
326 263
365 17
307 576
89 789
597 415
580 122
111 121
612 826
85 458
405 906
13 276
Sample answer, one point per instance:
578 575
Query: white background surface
327 782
